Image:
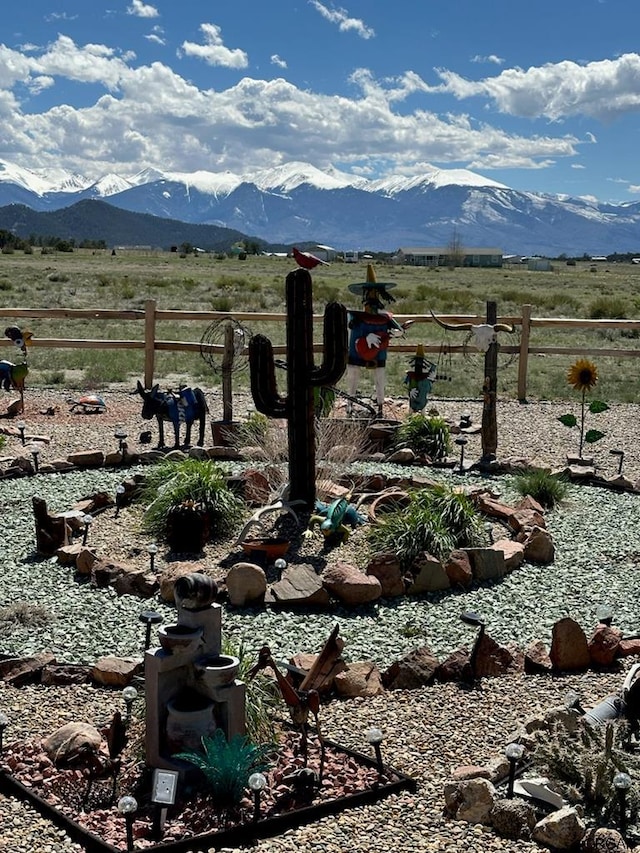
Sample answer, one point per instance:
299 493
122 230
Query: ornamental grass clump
543 486
583 377
427 435
437 520
189 485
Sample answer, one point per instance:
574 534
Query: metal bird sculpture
306 260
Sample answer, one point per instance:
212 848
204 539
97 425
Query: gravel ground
427 732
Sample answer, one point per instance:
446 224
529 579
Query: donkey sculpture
185 405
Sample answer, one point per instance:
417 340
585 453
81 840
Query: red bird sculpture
306 260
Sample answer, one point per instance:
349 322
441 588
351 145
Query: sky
541 95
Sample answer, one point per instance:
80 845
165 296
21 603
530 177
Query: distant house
441 256
539 264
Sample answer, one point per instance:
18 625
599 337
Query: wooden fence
150 317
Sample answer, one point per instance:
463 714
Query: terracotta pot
271 548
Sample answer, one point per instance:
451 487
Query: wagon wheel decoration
223 346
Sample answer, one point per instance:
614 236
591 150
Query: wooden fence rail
151 344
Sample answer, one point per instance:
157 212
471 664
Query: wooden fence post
523 358
149 341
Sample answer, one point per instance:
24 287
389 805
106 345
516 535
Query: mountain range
297 203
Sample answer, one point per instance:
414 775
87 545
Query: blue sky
541 96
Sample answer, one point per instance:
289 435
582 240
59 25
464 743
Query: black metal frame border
234 837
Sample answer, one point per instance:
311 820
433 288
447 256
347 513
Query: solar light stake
121 435
120 490
21 428
514 753
257 784
622 783
127 806
35 453
149 618
461 442
129 694
152 550
87 519
4 722
280 565
375 737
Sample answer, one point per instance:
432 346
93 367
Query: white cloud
602 89
577 166
150 115
492 58
213 51
634 188
342 19
154 37
277 60
142 10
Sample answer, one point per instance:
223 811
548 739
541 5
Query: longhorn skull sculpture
483 335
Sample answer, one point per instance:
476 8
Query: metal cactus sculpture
302 377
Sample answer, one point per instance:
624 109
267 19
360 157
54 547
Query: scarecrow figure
12 376
419 379
370 332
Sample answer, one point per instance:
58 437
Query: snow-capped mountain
297 202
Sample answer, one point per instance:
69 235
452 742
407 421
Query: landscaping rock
513 553
386 568
299 586
458 568
486 563
68 554
20 671
526 519
350 585
415 669
569 648
428 575
603 840
471 800
87 459
359 679
246 583
115 672
604 645
538 546
513 819
493 660
560 830
456 667
536 659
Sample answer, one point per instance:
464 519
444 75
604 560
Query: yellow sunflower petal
582 375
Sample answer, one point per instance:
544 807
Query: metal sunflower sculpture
583 377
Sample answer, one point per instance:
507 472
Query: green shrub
608 308
548 489
202 483
425 434
437 520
